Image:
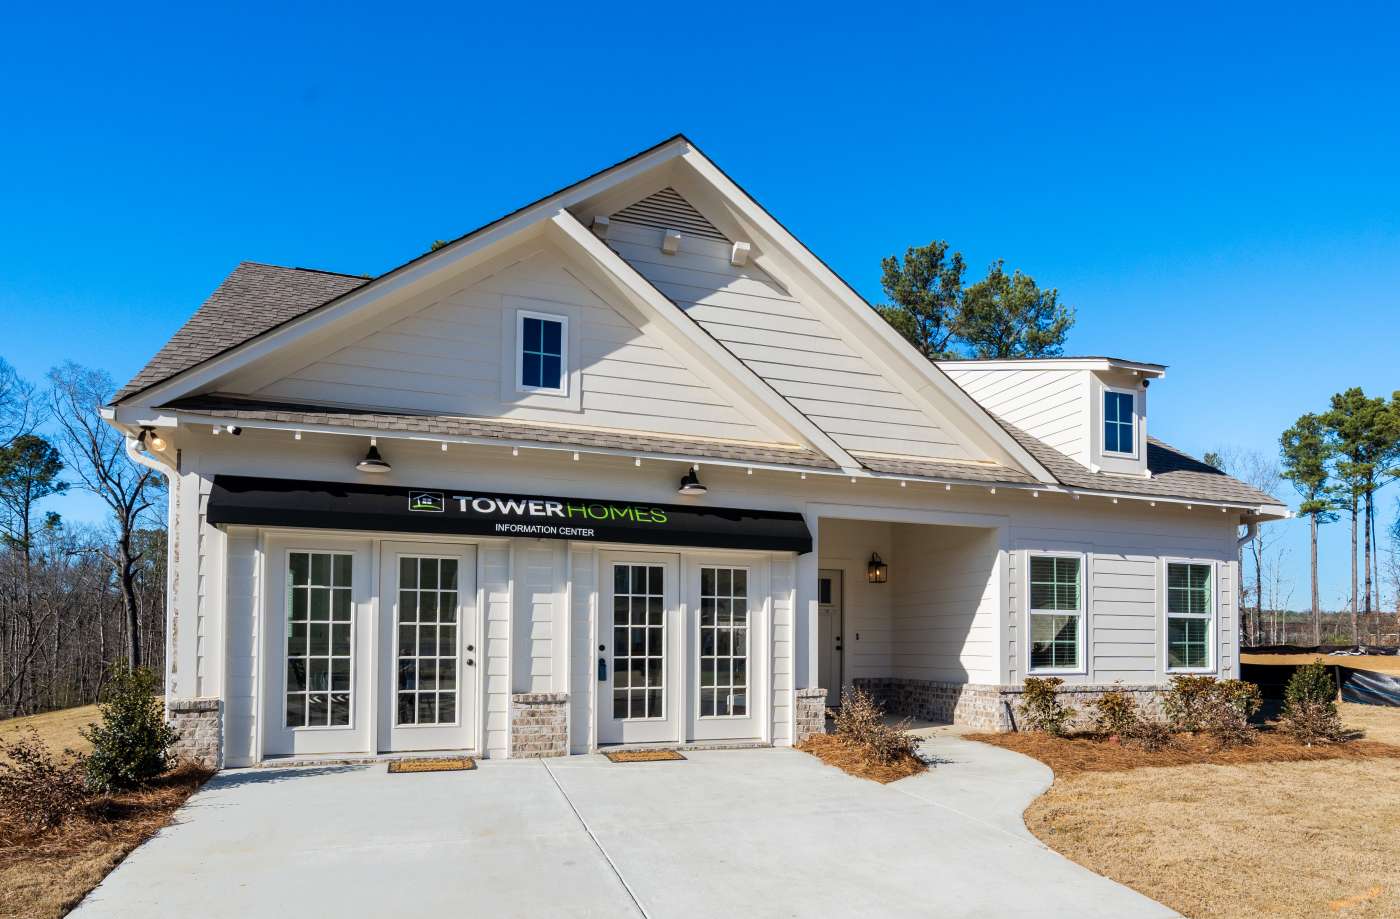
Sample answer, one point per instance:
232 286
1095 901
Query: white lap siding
1052 405
495 589
1123 567
242 590
945 603
784 597
583 586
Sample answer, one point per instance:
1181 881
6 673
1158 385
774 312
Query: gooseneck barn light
877 572
690 484
373 462
150 440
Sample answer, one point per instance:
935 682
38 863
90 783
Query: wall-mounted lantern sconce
877 572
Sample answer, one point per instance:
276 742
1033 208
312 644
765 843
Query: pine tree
1306 454
926 295
1010 316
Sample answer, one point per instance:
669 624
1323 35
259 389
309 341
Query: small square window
1118 427
541 353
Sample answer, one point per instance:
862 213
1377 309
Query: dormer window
1119 425
541 354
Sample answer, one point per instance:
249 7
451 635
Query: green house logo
431 501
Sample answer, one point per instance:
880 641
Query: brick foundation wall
539 724
983 705
810 708
201 726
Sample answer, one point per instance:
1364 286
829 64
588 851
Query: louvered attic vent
667 210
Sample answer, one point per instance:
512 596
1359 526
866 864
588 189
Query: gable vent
667 210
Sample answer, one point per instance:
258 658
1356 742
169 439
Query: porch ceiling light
149 439
373 462
690 484
877 572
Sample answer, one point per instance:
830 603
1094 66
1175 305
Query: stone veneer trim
990 707
539 724
200 724
810 712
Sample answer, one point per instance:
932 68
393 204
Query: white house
631 465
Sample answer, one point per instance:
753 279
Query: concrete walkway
741 832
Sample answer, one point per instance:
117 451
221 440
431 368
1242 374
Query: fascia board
748 384
406 278
926 378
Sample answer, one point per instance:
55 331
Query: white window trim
520 317
1213 617
1082 612
1103 422
287 554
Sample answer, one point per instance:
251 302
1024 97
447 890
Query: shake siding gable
785 343
452 352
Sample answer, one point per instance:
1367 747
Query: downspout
1251 531
140 457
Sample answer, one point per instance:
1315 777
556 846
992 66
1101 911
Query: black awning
245 500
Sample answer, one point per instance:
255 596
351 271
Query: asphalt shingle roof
249 302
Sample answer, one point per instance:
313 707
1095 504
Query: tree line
1337 460
74 599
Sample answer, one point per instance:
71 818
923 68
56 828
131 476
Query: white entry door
725 600
829 634
640 635
319 629
428 647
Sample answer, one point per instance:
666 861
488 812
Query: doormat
447 764
642 756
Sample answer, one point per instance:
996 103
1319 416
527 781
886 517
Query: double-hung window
1056 613
541 353
1118 433
1190 612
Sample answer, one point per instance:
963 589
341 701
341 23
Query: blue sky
1217 190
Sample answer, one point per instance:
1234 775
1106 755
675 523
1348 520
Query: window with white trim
541 352
1190 612
1056 613
724 642
320 620
1119 434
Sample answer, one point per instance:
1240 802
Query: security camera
233 429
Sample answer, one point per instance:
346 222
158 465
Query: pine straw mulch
855 759
44 875
1093 753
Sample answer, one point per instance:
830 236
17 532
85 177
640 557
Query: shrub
860 720
1149 734
1310 706
1115 713
132 744
1226 711
1041 708
1185 702
37 789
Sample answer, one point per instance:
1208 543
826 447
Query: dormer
1091 409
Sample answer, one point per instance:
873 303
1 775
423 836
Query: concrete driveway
738 833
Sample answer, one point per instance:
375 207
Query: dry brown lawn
1272 838
855 759
59 729
44 875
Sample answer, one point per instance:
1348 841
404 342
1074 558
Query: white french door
640 640
428 648
726 640
316 643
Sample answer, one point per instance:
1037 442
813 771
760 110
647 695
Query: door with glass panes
639 642
726 611
428 650
317 636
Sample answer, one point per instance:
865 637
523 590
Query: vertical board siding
787 344
241 606
583 568
536 627
945 603
495 588
784 579
1052 405
449 354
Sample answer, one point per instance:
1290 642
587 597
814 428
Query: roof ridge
338 274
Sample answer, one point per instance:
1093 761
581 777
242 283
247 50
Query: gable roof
250 301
